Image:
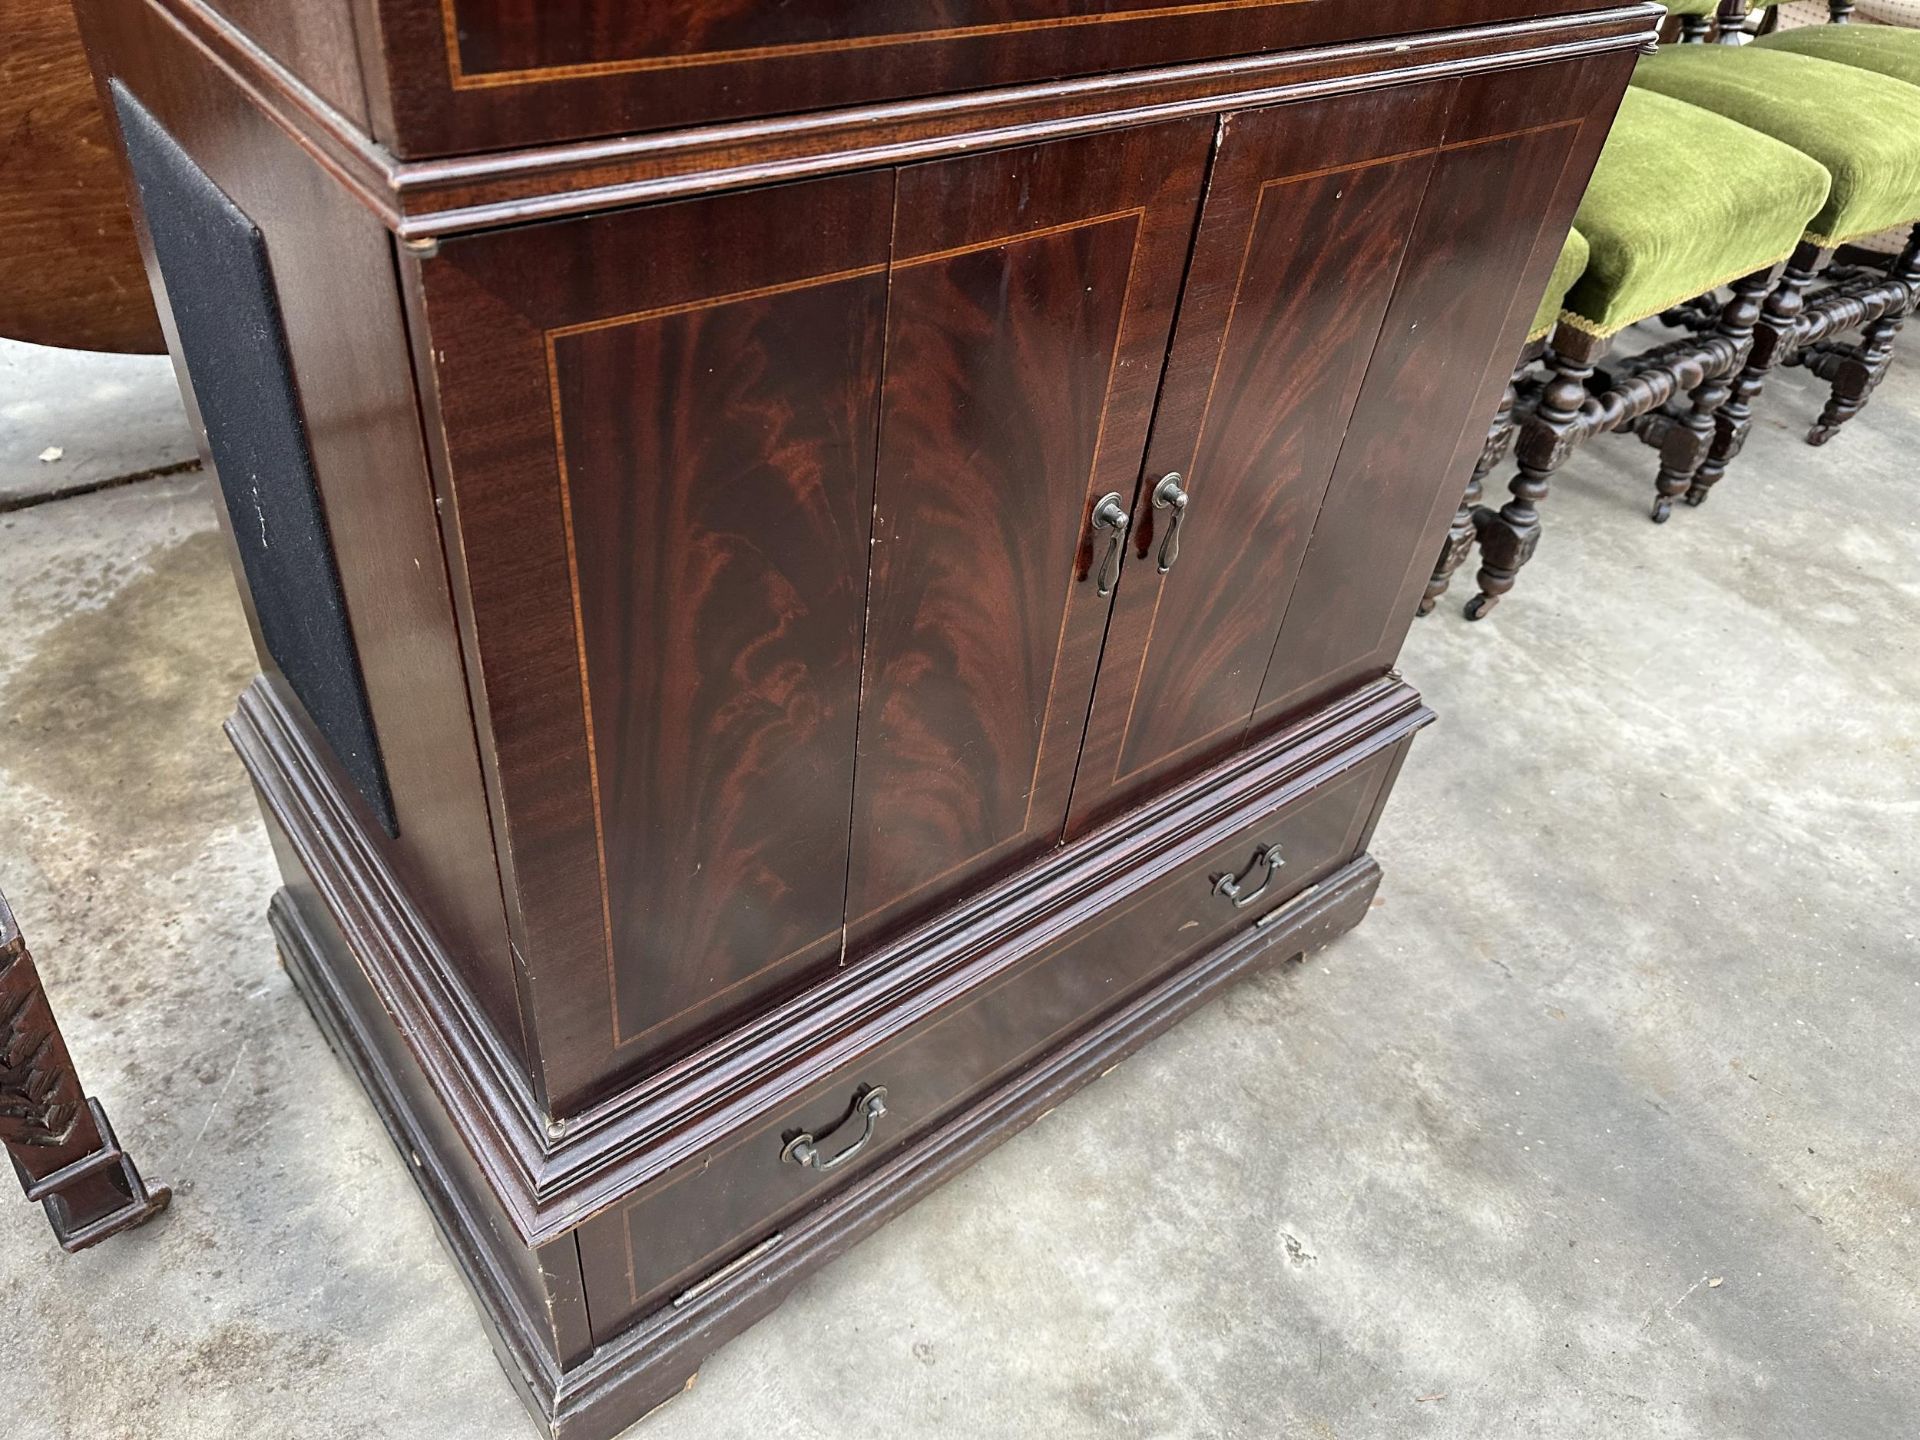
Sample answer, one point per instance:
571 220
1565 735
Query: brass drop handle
804 1149
1267 861
1110 519
1168 495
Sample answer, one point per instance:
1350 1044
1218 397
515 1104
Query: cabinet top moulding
423 201
445 77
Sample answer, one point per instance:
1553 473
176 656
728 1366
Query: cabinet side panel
331 265
1520 147
227 314
312 38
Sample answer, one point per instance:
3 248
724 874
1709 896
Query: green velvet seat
1862 126
1571 265
1865 47
1684 200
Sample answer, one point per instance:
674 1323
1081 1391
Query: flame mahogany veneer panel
1308 215
1031 299
1335 314
1498 205
718 489
662 477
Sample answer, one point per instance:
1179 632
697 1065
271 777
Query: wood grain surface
713 426
634 1260
333 267
1032 295
467 75
719 477
70 269
1300 245
1502 197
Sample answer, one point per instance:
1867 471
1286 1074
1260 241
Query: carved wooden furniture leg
1774 337
1509 535
1699 314
1459 542
1839 12
1685 439
1732 20
1855 371
62 1147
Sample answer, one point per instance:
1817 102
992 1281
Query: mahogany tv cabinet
821 570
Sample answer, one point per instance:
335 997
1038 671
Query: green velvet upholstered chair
1682 201
1661 222
1863 125
1876 296
1880 48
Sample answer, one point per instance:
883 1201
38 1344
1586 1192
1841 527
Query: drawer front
469 75
730 1199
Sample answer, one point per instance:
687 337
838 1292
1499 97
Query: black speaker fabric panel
225 308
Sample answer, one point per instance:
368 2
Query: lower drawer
732 1198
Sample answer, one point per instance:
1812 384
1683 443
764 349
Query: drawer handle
804 1149
1267 860
1110 519
1168 495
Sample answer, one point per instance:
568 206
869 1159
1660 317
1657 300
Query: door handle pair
1110 519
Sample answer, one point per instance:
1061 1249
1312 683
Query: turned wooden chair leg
1689 439
1508 536
1732 22
1773 338
1459 542
61 1145
1860 369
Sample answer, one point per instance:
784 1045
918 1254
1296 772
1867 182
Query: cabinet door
1307 220
1520 149
659 426
1029 306
1350 292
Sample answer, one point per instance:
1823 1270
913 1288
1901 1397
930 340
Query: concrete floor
72 421
1607 1124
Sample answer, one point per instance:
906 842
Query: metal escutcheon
1267 862
804 1149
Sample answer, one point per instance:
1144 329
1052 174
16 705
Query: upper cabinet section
459 76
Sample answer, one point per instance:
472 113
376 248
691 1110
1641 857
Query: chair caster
1481 606
1821 434
1662 511
1697 498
